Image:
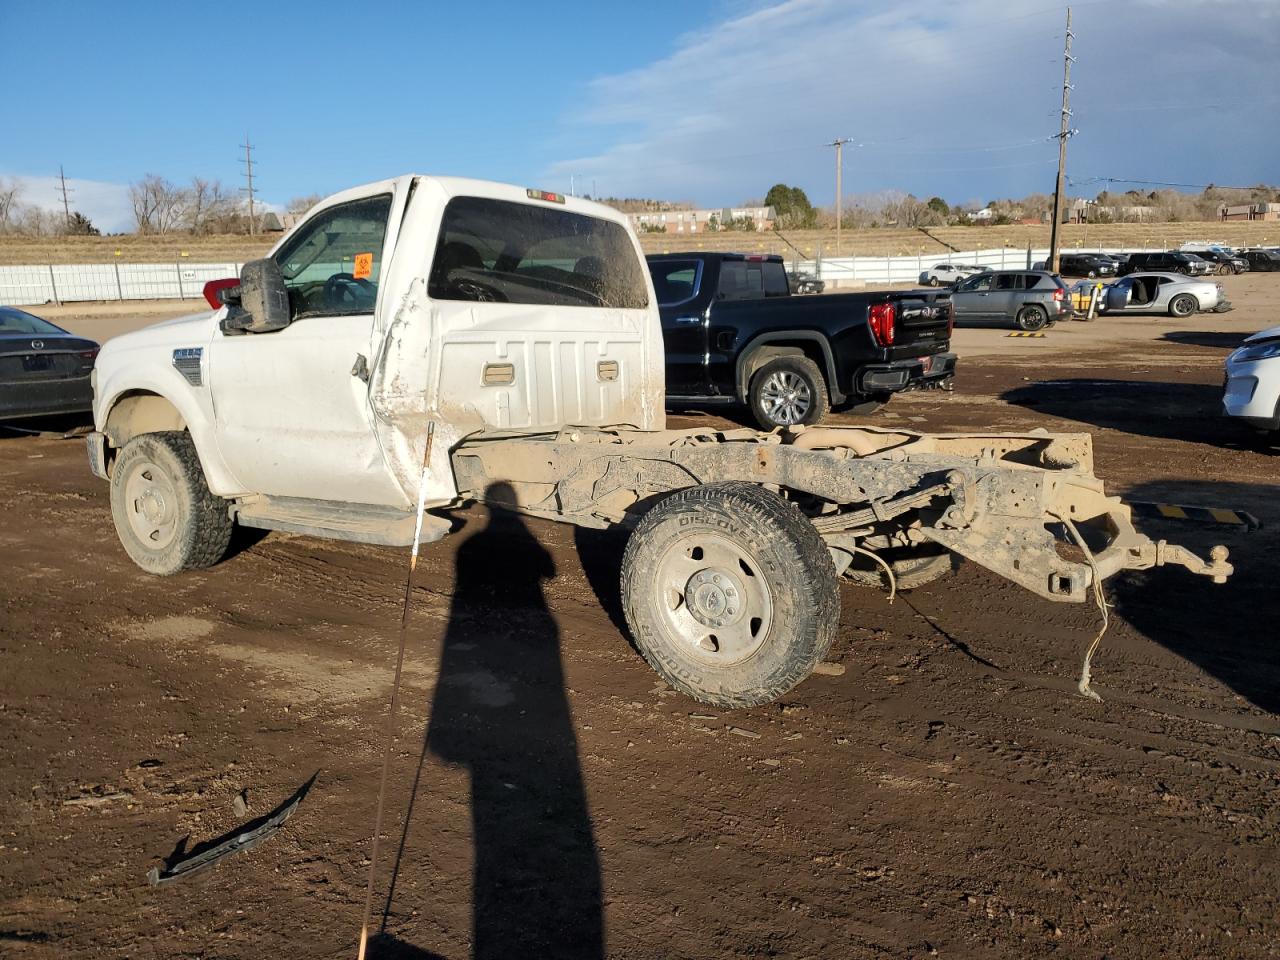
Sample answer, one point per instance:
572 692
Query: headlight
1258 351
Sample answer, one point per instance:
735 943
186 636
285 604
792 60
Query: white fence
62 283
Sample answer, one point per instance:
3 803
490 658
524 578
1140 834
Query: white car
949 273
1253 381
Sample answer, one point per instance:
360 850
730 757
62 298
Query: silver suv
1031 299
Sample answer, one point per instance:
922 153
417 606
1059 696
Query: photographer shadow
500 712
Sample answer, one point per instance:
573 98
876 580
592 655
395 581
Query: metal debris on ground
1182 511
182 863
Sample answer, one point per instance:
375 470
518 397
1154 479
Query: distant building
1250 211
700 221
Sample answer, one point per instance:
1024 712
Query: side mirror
264 300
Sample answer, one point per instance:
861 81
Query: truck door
292 409
678 286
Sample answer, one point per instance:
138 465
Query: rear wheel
789 391
164 514
730 593
1032 318
1183 305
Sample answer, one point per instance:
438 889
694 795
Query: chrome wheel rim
785 397
714 599
151 504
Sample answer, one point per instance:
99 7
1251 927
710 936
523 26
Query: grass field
882 242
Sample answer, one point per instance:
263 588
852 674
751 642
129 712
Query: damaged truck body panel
520 328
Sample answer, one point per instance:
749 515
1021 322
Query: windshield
21 323
497 250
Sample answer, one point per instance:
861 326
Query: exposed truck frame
738 538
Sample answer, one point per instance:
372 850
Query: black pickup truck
735 334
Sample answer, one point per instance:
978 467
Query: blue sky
705 100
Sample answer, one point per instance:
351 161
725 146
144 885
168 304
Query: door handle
688 320
361 367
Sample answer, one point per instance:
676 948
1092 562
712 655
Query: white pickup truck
520 330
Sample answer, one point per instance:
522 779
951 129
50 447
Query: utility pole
66 206
1063 135
839 143
248 173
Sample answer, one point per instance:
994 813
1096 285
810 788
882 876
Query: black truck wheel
730 593
166 518
787 391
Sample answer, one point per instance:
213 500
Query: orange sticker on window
363 269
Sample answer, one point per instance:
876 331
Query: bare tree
300 205
158 204
208 206
10 190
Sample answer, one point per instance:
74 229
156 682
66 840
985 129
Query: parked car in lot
44 370
949 274
1086 265
805 283
1171 293
1031 299
734 334
1223 263
1168 262
1262 260
1252 390
1119 259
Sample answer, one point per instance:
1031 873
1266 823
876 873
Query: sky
709 101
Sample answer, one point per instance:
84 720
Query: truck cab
320 399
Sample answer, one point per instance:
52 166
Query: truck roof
715 255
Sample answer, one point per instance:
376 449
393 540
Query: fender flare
741 375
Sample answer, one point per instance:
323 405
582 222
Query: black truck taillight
881 320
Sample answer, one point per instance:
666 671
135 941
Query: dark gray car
1029 299
43 369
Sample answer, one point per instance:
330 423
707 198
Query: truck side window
775 279
675 281
332 264
508 252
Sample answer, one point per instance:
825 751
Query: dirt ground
949 794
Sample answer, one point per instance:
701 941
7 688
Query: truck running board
335 520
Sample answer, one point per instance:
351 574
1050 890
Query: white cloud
106 204
958 98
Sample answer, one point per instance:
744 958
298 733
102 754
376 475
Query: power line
66 206
248 173
1063 135
839 143
1157 183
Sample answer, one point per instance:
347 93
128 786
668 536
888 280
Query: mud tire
193 528
780 546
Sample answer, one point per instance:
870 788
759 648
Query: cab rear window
507 252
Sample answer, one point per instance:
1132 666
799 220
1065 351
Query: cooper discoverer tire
789 391
730 593
164 514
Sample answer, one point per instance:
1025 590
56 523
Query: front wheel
789 391
1032 318
1183 305
1224 269
730 593
164 514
